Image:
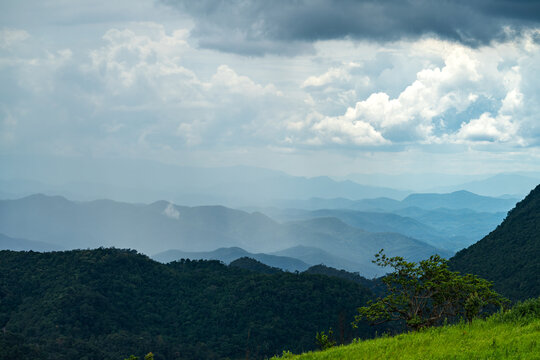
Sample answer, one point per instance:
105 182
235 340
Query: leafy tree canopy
425 293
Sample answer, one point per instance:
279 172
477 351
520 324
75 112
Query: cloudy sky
308 87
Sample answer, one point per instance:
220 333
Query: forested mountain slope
110 303
510 255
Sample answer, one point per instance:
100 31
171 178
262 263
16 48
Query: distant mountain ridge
146 181
9 243
429 201
229 255
509 256
161 226
315 256
458 200
498 185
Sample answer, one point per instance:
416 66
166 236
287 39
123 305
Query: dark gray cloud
256 27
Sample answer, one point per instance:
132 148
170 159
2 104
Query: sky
307 87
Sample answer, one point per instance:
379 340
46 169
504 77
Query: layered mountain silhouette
509 256
444 228
229 255
497 185
9 243
428 201
145 181
161 226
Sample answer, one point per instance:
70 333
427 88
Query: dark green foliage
325 341
254 265
509 256
473 306
426 293
110 304
376 285
521 313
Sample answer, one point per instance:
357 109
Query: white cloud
342 131
10 37
436 107
337 87
144 56
170 211
143 90
226 79
380 119
340 74
488 129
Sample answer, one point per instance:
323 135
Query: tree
426 293
325 341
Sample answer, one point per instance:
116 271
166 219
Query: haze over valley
306 221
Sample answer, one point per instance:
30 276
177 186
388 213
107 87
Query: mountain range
9 243
443 228
146 181
229 255
162 226
515 184
428 201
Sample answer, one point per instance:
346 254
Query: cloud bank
256 27
146 89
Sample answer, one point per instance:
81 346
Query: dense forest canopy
509 256
110 303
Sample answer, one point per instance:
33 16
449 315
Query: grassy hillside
511 335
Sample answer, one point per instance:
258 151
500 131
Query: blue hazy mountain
389 222
369 221
450 221
146 181
515 185
460 227
356 245
9 243
417 182
228 255
459 200
316 256
429 201
161 226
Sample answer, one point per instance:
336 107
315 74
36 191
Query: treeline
111 303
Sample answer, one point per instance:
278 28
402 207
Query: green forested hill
510 255
110 303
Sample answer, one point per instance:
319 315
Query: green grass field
514 334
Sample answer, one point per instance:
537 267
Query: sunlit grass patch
511 335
